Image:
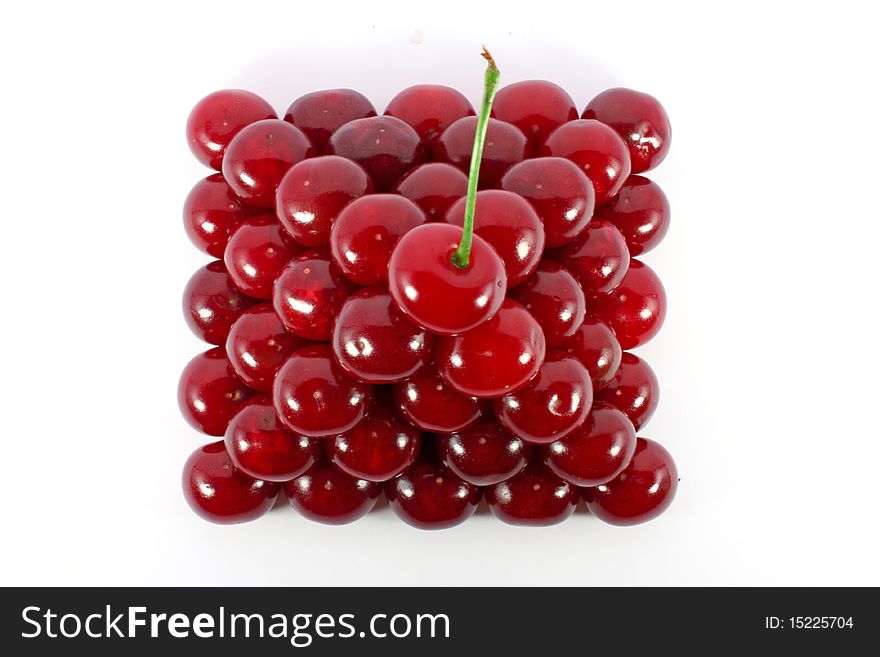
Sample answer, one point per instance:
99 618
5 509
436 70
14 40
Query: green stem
462 255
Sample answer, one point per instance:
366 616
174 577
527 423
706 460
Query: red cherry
258 157
218 117
636 309
436 294
596 149
313 396
324 494
365 232
429 496
497 357
640 212
211 303
308 294
313 192
321 113
256 254
596 347
260 446
554 298
217 491
561 194
509 224
211 213
598 259
385 146
536 107
428 403
429 108
535 497
483 454
596 452
433 187
639 119
208 394
643 491
505 146
634 390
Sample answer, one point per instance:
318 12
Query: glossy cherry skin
384 145
256 254
211 213
374 342
218 491
321 113
430 496
496 358
260 446
308 295
212 302
636 309
218 117
536 107
561 194
535 497
365 232
633 390
640 211
507 222
326 495
596 347
597 150
639 119
483 454
429 108
258 157
554 298
433 186
597 451
434 293
313 192
314 397
505 146
427 402
598 259
209 394
258 344
643 491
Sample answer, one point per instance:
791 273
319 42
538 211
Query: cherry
483 454
313 396
211 213
428 403
509 224
429 496
365 232
535 497
433 186
640 212
643 491
596 149
598 259
636 309
429 108
256 254
218 117
208 394
596 452
313 192
561 194
308 294
596 347
639 119
536 107
554 298
258 345
497 357
212 302
634 390
374 342
321 113
385 146
505 146
260 446
218 491
258 157
324 494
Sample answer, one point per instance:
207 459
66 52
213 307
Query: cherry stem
461 257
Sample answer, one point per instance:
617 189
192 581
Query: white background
768 362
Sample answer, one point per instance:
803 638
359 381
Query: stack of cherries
387 323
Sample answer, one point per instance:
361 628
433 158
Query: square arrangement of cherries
387 324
